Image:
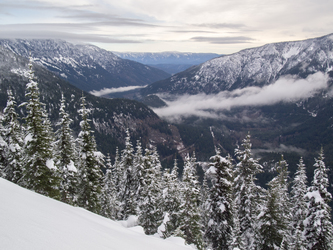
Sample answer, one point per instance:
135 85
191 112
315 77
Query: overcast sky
219 26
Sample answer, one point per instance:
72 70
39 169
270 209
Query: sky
32 221
216 26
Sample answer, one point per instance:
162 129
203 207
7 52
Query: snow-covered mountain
85 66
252 67
31 221
171 62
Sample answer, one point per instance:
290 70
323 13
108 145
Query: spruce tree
299 207
89 164
66 157
109 203
12 134
275 217
220 201
190 227
172 198
128 181
150 207
318 224
248 195
40 173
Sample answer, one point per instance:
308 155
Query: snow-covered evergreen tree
318 224
220 200
40 173
204 209
138 169
110 205
12 135
190 227
128 182
150 206
66 157
172 198
247 193
299 207
89 164
275 217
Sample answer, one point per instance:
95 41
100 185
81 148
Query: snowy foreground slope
32 221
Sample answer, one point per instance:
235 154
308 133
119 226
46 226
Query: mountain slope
32 221
110 117
171 62
85 66
251 67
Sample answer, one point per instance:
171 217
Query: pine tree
318 224
299 207
40 173
247 193
189 216
12 135
220 200
128 181
66 157
204 209
275 218
90 164
172 198
151 213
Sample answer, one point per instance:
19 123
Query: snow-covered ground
32 221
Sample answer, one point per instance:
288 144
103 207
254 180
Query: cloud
106 91
280 149
286 89
223 40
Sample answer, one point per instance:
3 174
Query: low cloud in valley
286 89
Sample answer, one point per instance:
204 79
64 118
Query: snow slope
32 221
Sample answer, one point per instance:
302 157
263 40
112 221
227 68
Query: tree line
228 211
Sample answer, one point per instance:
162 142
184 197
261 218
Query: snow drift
32 221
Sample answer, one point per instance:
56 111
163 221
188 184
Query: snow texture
31 221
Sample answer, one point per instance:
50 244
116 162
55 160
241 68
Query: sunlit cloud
107 91
286 89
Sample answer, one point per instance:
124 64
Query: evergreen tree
151 212
12 134
127 191
90 163
204 209
66 157
220 200
172 198
299 207
275 218
189 215
109 203
118 175
318 224
40 173
247 194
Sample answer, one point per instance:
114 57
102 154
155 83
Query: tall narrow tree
90 164
40 173
66 157
12 134
190 227
299 207
318 224
247 193
221 194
